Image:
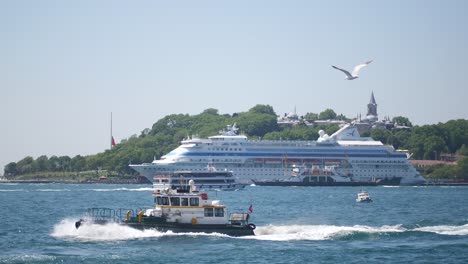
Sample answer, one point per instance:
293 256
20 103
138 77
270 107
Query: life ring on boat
194 221
140 216
252 226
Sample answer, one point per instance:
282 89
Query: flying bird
354 74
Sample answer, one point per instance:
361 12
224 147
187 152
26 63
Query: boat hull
160 224
312 184
395 181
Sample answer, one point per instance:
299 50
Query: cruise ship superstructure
361 158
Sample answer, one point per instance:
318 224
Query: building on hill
370 121
425 163
290 119
451 157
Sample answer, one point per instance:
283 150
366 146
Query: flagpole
111 132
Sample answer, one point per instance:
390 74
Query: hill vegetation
425 142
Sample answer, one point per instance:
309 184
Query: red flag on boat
251 209
112 141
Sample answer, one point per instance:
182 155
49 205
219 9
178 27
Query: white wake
115 232
317 232
110 232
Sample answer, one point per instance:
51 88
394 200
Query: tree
78 163
211 111
42 163
382 135
456 132
10 169
433 146
416 146
327 114
54 163
401 138
462 168
257 124
402 121
311 116
25 165
463 150
263 109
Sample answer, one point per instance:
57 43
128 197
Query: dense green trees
425 142
402 121
327 114
311 116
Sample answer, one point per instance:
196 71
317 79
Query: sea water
294 225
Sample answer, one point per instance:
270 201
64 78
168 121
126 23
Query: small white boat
363 197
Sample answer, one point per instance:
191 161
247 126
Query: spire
372 99
372 109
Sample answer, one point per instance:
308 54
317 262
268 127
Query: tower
372 109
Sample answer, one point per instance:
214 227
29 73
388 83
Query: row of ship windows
204 169
233 144
216 160
225 149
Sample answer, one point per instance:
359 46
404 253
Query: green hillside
425 142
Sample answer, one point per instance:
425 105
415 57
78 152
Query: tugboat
363 197
179 210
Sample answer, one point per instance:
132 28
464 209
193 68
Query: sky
66 65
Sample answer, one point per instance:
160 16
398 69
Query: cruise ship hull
385 182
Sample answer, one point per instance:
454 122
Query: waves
330 232
115 232
95 232
110 232
319 232
445 230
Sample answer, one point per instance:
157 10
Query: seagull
357 68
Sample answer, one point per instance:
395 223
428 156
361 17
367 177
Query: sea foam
111 232
445 230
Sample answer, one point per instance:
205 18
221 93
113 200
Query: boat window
175 201
219 212
208 212
184 202
162 200
194 201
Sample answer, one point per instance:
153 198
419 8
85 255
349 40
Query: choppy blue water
294 225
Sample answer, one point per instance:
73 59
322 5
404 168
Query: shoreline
76 182
147 182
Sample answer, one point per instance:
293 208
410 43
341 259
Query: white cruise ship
363 159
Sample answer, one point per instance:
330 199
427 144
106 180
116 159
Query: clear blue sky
65 65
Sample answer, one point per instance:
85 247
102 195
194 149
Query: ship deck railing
111 215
